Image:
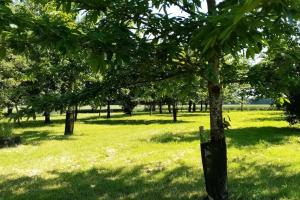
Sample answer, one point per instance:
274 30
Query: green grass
149 157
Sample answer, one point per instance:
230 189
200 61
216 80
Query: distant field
147 157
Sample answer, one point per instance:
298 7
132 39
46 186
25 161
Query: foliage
6 129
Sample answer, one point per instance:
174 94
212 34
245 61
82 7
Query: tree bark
70 119
18 117
160 108
76 113
206 105
242 104
169 108
47 117
9 110
153 107
174 111
201 104
150 108
190 106
194 107
100 111
108 109
216 176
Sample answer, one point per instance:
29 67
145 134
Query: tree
163 46
277 77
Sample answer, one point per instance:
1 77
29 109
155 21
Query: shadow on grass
264 182
238 137
251 181
263 119
37 137
39 123
176 137
101 183
253 136
131 122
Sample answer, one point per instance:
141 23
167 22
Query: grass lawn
149 157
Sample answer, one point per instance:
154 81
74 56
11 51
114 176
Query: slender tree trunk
242 104
18 117
169 108
47 117
150 108
194 107
216 172
201 104
190 106
174 111
100 111
206 105
34 116
108 109
153 107
70 119
160 108
76 113
9 110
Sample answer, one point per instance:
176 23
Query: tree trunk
108 109
18 117
194 107
9 110
70 119
201 104
76 113
206 105
216 171
174 112
190 106
150 108
169 108
160 108
61 111
153 107
242 104
100 111
47 117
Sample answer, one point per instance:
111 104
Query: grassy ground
149 157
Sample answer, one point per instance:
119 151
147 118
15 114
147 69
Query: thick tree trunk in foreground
194 107
108 109
190 106
160 108
174 112
215 165
47 117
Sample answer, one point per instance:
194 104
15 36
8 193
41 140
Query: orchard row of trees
57 55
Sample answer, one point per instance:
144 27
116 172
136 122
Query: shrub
293 109
6 129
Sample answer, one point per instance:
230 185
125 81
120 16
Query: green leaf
97 61
2 52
